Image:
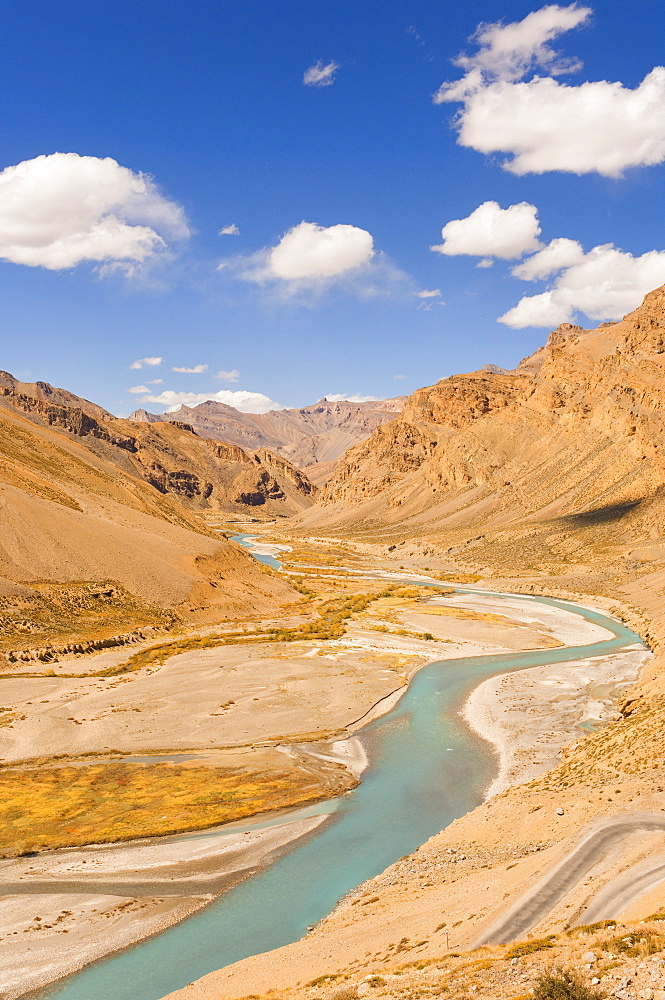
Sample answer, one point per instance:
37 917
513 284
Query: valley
159 679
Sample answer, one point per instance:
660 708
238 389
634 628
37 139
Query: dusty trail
533 907
623 891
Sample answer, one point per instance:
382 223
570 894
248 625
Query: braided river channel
426 768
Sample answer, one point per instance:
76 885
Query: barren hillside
313 437
554 466
99 530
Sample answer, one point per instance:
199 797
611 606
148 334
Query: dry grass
58 613
331 621
50 807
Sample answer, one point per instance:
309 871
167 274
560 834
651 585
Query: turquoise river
426 768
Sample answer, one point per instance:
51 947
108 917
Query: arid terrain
543 481
313 437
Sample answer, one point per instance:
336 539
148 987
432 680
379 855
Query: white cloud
241 399
194 370
231 376
426 293
491 231
138 389
604 284
146 362
537 310
320 74
311 259
598 126
399 376
155 381
510 51
59 210
230 230
309 251
307 255
552 258
340 397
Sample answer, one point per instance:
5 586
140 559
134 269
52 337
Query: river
426 768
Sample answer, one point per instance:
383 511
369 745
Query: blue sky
179 119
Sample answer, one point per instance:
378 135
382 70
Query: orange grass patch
49 807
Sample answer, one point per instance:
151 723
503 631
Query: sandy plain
442 884
296 699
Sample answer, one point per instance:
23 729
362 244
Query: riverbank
108 898
435 888
529 716
382 642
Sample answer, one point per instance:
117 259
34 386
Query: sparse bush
599 925
564 984
346 993
528 947
644 942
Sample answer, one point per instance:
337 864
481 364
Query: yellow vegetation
49 807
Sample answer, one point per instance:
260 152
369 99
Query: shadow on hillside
600 515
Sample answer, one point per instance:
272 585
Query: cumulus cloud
543 125
146 362
320 74
311 260
241 399
155 381
138 388
59 210
307 255
604 284
428 293
230 230
231 376
492 231
340 397
310 251
194 370
554 257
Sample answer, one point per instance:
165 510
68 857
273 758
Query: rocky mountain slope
549 479
556 462
313 437
99 531
170 456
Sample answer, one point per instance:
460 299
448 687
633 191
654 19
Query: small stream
426 768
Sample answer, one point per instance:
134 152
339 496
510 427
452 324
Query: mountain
313 438
554 471
574 432
170 456
97 513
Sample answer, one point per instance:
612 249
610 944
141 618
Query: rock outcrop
87 499
170 456
313 437
572 432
